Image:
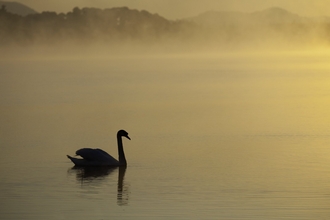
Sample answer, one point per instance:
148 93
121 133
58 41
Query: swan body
98 157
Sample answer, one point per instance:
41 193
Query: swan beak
128 137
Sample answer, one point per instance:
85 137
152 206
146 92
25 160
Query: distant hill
18 8
268 16
276 15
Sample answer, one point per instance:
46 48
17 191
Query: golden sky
174 9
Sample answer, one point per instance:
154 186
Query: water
231 136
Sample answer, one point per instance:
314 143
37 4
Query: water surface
230 136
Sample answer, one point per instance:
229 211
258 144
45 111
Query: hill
273 15
18 8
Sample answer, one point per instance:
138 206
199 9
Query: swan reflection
96 175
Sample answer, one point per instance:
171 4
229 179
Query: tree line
116 25
85 25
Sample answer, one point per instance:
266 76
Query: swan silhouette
98 157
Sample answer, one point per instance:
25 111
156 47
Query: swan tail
74 160
83 162
71 158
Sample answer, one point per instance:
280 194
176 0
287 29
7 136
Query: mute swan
98 157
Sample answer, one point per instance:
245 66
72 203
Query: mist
120 58
124 30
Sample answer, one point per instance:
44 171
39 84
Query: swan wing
95 155
103 152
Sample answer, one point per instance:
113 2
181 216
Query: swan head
123 133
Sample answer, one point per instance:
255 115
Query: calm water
232 136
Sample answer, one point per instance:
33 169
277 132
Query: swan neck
121 154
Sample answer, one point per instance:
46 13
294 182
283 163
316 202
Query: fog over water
131 30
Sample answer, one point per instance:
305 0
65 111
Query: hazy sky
174 9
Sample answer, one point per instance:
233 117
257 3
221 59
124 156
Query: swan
98 157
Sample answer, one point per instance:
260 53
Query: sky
176 9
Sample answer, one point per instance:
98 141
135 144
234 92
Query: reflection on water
122 189
95 175
89 174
